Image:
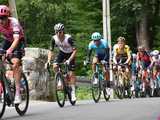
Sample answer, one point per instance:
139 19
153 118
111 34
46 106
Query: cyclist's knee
55 67
16 64
95 60
127 70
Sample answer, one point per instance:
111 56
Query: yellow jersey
122 52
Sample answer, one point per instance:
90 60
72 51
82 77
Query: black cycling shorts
18 51
61 57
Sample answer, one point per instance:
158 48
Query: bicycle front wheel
106 91
60 89
119 88
2 98
69 90
96 88
24 91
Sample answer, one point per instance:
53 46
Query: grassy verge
83 93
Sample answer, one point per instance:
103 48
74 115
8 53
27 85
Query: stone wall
40 83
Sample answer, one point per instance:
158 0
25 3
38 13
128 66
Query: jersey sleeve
90 46
128 51
16 28
52 44
105 43
71 41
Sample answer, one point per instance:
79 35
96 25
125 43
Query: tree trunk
142 32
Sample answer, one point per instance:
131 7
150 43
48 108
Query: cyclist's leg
16 67
17 70
72 79
106 71
94 62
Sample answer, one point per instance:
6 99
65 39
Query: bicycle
135 86
155 81
145 78
101 85
121 82
7 90
61 85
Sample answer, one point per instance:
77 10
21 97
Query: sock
73 88
17 90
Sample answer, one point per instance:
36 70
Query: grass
83 93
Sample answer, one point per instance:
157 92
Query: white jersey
64 46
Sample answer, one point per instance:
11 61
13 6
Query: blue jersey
101 49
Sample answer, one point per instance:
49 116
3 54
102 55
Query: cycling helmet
155 52
96 36
141 48
4 10
121 39
59 27
134 56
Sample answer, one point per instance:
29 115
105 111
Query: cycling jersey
101 50
12 29
98 49
143 57
121 52
66 46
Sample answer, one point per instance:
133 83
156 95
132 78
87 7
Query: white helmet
59 27
134 55
155 52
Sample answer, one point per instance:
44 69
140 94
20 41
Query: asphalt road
127 109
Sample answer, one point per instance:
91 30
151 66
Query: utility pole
104 4
12 6
107 34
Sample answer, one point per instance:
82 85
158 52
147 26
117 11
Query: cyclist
67 52
135 82
143 63
13 42
100 46
155 64
122 54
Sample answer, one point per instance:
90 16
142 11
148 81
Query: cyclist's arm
71 42
129 56
106 54
51 48
16 37
114 54
15 42
114 58
89 51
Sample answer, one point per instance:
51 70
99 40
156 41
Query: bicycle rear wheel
60 89
96 88
2 98
24 91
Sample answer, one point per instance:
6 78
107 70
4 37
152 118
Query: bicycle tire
69 96
24 91
3 98
60 93
96 89
120 88
106 96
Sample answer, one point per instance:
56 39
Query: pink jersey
12 29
